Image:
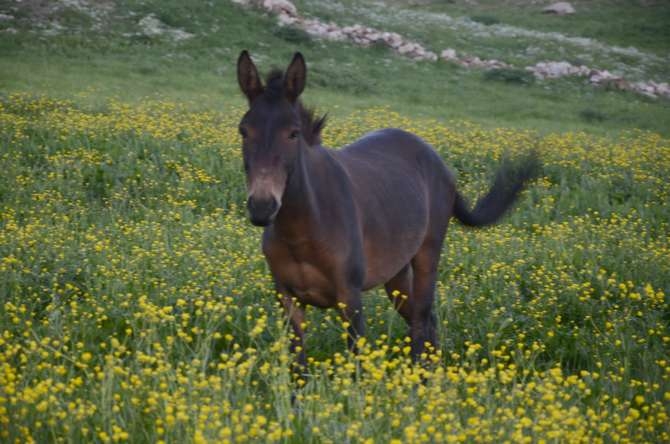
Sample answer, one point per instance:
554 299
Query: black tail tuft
510 180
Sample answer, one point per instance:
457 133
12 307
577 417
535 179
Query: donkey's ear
294 79
248 78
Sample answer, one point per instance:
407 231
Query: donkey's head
271 133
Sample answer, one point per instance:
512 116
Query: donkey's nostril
260 205
262 211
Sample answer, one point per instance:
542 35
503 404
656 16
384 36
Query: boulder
284 7
554 70
430 55
662 89
602 76
559 8
286 20
448 54
406 48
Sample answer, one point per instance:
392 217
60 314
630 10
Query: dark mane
312 125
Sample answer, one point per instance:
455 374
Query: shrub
510 75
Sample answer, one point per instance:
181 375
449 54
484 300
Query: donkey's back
397 162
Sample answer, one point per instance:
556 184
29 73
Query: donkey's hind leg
351 310
423 324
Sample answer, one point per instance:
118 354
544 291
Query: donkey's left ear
294 79
247 77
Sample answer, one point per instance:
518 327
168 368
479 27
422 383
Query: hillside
96 50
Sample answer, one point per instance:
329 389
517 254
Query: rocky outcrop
287 14
652 89
600 77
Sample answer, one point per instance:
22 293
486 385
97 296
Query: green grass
622 23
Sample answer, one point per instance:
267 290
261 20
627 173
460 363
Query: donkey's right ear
247 77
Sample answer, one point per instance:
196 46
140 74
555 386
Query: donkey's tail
509 181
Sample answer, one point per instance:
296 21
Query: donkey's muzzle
262 211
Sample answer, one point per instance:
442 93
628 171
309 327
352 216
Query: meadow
136 305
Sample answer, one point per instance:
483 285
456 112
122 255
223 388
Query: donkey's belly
306 282
384 261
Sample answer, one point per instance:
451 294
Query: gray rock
448 54
559 8
284 7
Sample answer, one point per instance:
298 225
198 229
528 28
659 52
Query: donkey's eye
294 134
243 132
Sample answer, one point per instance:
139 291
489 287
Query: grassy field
136 306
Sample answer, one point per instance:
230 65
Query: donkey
339 222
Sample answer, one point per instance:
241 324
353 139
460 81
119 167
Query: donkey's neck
302 210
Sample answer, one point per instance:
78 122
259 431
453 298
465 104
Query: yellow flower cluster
136 304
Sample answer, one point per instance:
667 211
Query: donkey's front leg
351 309
295 313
